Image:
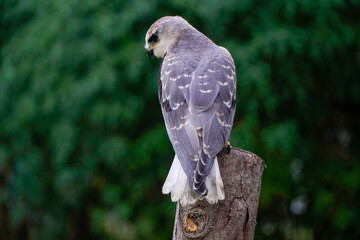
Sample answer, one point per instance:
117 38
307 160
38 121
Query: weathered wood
235 216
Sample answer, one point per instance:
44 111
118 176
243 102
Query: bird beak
149 52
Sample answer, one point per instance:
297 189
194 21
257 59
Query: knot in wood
198 219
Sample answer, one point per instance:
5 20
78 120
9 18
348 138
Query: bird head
163 33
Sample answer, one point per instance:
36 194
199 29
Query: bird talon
228 147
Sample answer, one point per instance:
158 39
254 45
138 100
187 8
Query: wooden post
233 218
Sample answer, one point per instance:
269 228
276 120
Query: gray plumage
197 93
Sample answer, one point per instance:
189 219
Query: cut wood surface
235 216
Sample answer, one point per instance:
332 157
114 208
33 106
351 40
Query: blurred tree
83 149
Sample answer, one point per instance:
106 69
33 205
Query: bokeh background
83 147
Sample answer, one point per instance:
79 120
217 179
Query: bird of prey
197 93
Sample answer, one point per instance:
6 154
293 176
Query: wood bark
233 218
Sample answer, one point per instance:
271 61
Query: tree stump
235 216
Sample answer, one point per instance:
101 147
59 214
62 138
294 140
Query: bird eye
153 39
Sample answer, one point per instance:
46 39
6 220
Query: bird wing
213 95
174 83
198 105
217 130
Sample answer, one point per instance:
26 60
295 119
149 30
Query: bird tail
214 184
178 184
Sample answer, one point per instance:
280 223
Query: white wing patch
202 76
230 77
206 91
182 87
203 83
223 83
177 105
196 128
225 66
227 103
182 125
223 123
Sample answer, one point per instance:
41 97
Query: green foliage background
83 148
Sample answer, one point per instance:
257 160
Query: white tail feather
214 184
178 184
172 176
